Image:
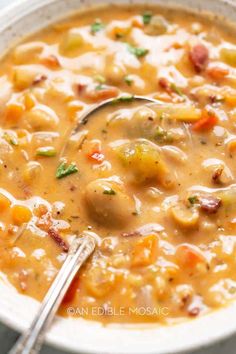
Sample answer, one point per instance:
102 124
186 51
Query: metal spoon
125 99
31 341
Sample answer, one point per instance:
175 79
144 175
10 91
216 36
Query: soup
155 182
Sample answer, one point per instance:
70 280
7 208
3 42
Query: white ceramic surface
17 311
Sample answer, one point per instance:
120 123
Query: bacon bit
209 204
96 156
131 234
216 174
165 84
71 292
207 122
51 61
216 98
199 56
217 72
81 88
39 79
58 239
194 311
45 222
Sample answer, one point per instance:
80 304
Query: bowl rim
17 311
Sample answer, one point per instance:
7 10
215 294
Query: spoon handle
31 341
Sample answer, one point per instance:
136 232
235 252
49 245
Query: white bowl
78 335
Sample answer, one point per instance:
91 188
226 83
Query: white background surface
8 337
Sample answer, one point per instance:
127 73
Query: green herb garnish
176 89
109 191
163 136
99 78
47 151
99 87
193 199
137 51
97 26
63 170
10 139
125 98
147 16
128 80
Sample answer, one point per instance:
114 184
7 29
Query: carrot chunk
14 111
4 202
189 255
207 122
29 101
145 251
217 72
52 62
96 156
20 214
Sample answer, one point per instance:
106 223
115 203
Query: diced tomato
96 156
145 251
71 292
189 255
207 122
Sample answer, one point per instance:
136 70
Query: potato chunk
99 282
144 160
108 203
28 52
42 119
181 112
185 217
228 55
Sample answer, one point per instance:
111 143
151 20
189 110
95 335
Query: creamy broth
155 182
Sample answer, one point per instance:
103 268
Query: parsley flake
176 89
137 51
147 16
124 98
99 87
193 199
10 139
63 170
97 26
99 78
109 191
128 80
